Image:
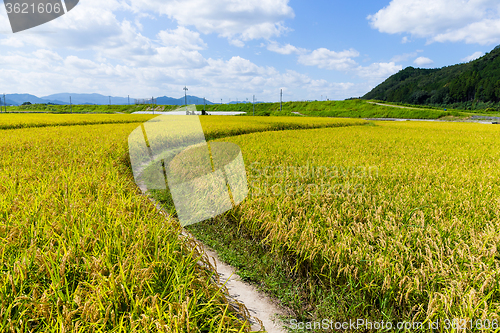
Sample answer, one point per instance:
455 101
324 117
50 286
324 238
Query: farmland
83 108
393 222
14 121
83 251
355 108
344 219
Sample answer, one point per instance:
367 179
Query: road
395 106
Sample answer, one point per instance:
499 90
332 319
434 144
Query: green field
84 251
50 108
355 108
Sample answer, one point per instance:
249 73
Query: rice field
14 121
394 222
83 251
397 221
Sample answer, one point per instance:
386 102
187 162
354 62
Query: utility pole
128 97
281 100
5 103
185 97
253 104
109 100
70 105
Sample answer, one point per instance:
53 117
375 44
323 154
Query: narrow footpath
263 309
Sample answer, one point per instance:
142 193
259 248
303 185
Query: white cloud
287 49
342 61
483 32
473 56
44 72
405 40
12 42
94 49
89 25
324 58
183 38
236 42
472 21
236 20
423 61
378 72
405 56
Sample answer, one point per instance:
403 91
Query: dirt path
395 106
298 113
261 307
258 304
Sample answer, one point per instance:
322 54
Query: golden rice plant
83 251
13 120
417 235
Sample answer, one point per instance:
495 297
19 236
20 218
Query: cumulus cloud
324 58
44 72
236 20
378 72
183 38
95 49
471 21
405 56
89 25
474 56
484 32
423 61
343 61
286 49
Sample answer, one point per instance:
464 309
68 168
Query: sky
228 50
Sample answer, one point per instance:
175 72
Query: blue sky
234 49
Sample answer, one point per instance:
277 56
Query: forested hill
473 82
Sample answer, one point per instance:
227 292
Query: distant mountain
63 99
86 99
180 101
478 81
241 102
18 99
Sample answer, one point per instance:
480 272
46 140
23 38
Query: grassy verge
355 108
349 109
49 108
